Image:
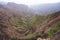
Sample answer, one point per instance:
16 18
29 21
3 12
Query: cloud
32 2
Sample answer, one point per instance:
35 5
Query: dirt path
47 24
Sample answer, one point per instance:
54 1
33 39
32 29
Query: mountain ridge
46 8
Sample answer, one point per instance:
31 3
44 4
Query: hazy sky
31 2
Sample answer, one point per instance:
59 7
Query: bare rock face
43 39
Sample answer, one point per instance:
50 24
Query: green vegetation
26 23
54 29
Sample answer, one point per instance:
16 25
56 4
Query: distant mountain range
35 9
46 8
19 9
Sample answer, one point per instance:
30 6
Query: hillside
28 27
16 25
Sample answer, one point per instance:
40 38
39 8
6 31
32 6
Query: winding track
47 24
